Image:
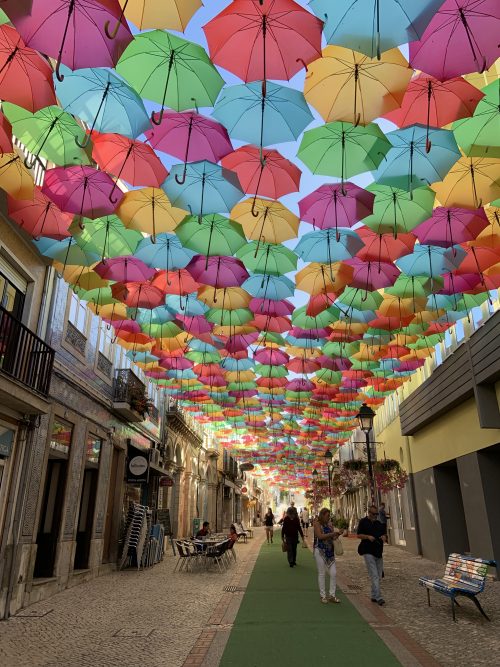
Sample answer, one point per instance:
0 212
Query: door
86 519
397 522
107 555
50 518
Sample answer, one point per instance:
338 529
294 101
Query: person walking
305 519
372 534
269 525
324 555
290 531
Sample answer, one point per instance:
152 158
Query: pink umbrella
240 342
138 295
267 323
196 324
371 276
74 32
310 333
39 216
266 173
217 271
82 190
271 357
272 308
461 38
448 226
25 77
455 284
125 325
336 205
190 137
300 385
337 364
175 363
124 269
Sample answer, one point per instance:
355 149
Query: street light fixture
365 417
315 490
329 459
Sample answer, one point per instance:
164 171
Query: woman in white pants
324 535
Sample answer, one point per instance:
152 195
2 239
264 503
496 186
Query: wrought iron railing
23 355
127 386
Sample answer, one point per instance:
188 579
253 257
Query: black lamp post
315 488
365 417
329 459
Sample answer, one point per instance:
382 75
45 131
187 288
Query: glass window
11 298
106 340
62 432
94 445
78 313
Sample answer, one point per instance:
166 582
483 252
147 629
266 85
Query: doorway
85 519
110 546
50 518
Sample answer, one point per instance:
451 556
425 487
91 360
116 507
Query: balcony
27 360
129 396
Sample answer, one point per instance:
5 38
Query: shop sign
166 481
137 466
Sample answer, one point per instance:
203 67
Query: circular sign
244 489
138 465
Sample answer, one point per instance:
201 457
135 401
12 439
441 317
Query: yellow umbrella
349 86
349 327
395 306
81 276
233 331
240 376
149 210
274 223
110 311
369 353
490 236
229 298
323 278
480 80
175 343
15 179
303 352
472 182
169 14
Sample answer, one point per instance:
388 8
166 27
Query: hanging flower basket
140 403
357 465
389 475
354 473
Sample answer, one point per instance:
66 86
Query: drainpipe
413 496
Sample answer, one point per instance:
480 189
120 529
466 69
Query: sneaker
333 599
374 599
381 602
324 600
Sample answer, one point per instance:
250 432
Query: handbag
284 546
338 547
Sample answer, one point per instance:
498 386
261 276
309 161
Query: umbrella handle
85 142
60 77
182 179
157 122
112 35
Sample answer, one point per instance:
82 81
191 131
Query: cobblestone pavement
471 641
151 618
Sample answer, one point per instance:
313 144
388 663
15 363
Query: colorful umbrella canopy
265 220
40 216
15 179
170 14
149 210
326 246
65 30
449 226
479 135
163 252
280 37
212 235
336 205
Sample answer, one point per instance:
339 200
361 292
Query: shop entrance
87 503
50 519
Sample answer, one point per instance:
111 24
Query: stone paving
471 641
151 618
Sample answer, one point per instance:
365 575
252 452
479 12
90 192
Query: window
62 433
106 340
11 297
94 445
78 313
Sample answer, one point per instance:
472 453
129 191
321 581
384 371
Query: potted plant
389 475
140 403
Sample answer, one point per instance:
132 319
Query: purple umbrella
217 271
448 226
240 342
310 333
271 357
195 324
82 190
455 284
461 38
300 385
336 205
124 269
370 276
337 364
74 33
190 137
281 308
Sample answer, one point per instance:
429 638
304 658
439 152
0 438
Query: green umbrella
374 336
106 236
409 287
163 330
343 350
271 371
323 319
213 235
426 342
272 337
170 70
100 296
229 318
353 297
49 132
396 211
343 149
203 357
267 258
479 136
328 376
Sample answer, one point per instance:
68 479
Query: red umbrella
138 294
336 205
178 282
40 216
383 247
302 366
5 135
448 226
268 323
133 161
269 39
272 308
271 357
320 302
25 77
478 260
390 323
268 175
371 276
434 103
74 32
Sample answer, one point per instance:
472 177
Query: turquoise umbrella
262 115
432 261
188 305
275 288
327 245
205 188
417 157
167 252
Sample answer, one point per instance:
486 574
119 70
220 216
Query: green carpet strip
281 621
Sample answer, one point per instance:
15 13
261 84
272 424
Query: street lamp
329 459
365 417
315 489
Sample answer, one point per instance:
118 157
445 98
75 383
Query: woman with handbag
325 537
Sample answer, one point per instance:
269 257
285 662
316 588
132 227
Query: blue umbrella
327 245
366 26
232 364
188 305
157 315
270 287
206 187
167 252
103 101
430 260
262 115
142 357
417 157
